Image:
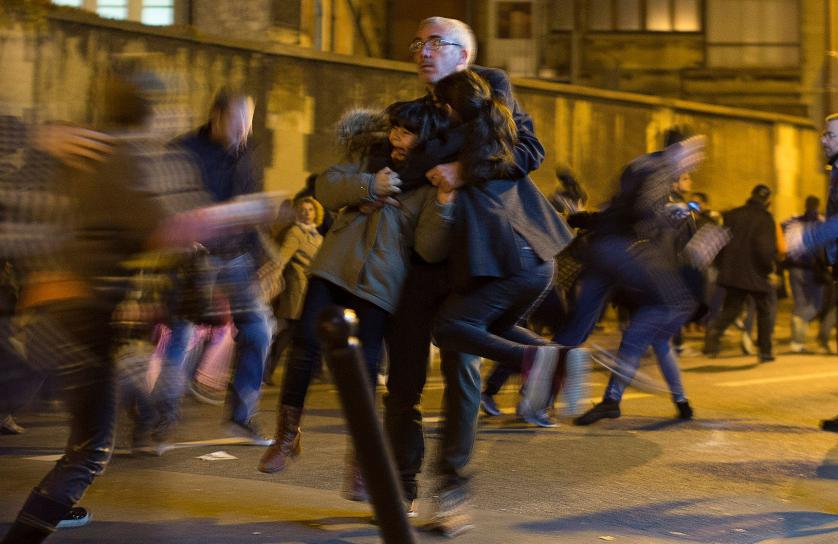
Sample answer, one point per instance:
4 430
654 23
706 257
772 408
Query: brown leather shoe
287 442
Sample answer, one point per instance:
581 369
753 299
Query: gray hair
458 31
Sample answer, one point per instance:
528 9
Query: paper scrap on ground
217 456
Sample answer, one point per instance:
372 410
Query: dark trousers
19 382
408 344
72 341
484 320
305 354
734 299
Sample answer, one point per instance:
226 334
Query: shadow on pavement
209 531
673 521
828 470
708 369
768 472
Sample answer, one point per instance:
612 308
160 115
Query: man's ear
463 57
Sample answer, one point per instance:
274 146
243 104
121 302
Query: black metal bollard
337 328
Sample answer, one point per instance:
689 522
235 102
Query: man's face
232 127
435 65
829 139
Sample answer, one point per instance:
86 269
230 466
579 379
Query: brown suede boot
287 440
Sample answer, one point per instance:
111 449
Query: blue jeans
171 382
594 290
648 278
305 352
668 364
251 316
252 319
807 293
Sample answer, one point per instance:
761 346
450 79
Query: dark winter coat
488 215
748 260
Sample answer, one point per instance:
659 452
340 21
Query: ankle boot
685 411
287 442
37 520
21 533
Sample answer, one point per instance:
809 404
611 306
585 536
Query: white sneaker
577 373
453 514
248 431
535 394
796 347
78 516
747 344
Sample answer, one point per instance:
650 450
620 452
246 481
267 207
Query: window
513 20
628 15
743 33
112 9
644 15
149 12
158 12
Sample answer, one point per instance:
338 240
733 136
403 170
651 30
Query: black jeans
734 299
305 353
73 341
408 344
484 320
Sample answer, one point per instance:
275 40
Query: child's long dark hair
488 153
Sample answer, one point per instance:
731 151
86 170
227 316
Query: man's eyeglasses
829 135
434 44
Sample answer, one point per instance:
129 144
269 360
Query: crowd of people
137 268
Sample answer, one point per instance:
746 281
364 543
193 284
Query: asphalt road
752 467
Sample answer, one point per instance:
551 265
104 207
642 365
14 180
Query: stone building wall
234 19
300 94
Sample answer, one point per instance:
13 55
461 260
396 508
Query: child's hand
446 176
387 183
445 197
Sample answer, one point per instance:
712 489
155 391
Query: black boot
685 411
42 514
21 533
830 425
605 409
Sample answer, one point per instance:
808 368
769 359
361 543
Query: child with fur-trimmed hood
364 259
